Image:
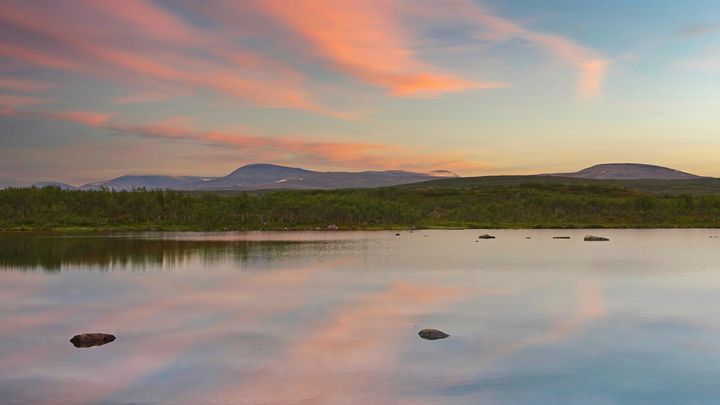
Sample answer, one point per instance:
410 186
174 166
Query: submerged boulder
432 334
486 236
591 238
91 339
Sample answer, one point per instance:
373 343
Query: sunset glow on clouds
351 84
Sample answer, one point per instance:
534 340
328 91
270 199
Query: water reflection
312 319
27 251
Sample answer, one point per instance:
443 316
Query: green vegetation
705 185
539 203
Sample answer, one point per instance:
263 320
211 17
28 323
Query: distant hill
261 176
148 182
628 171
268 176
54 184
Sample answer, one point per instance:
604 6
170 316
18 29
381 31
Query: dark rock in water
91 339
397 234
486 236
561 237
528 237
591 238
432 334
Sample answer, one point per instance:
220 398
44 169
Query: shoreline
321 229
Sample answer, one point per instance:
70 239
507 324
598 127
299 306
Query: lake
333 317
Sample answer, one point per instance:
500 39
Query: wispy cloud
139 42
296 150
151 96
10 102
706 60
90 118
325 57
366 40
24 85
372 41
136 41
700 30
591 65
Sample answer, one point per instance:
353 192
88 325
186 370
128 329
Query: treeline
532 205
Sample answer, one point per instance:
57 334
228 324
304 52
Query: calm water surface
332 318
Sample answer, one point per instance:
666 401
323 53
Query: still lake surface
333 317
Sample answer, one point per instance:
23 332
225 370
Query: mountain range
262 176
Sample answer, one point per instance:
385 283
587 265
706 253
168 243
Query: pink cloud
90 118
154 22
40 57
359 155
591 67
119 42
364 39
8 102
24 85
139 41
146 97
375 42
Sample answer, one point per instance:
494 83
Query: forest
521 205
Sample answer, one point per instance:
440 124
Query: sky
91 90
